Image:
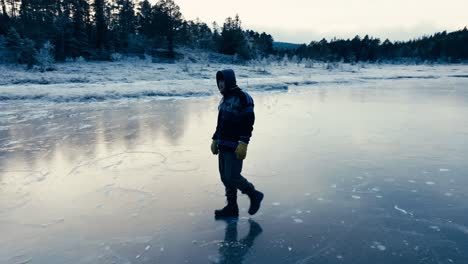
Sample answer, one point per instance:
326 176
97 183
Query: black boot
230 210
256 198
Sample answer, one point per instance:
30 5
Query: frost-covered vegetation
193 75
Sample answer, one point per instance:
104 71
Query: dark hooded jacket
236 114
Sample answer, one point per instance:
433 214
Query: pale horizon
302 21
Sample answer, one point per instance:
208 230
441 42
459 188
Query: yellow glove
214 147
241 150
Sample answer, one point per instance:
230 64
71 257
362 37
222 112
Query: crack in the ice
74 169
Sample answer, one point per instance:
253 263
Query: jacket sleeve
248 120
216 133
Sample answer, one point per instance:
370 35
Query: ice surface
105 182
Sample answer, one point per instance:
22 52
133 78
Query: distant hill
285 45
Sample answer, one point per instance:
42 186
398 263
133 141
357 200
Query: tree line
96 29
440 47
35 30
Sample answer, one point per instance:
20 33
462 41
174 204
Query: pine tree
37 19
4 19
233 40
196 34
21 50
167 20
101 26
28 52
80 20
13 45
144 19
124 24
216 37
62 24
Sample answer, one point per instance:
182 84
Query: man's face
221 86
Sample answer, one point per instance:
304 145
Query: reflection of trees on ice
233 251
99 131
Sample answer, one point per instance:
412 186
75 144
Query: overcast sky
301 21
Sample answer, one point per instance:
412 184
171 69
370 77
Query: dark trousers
230 170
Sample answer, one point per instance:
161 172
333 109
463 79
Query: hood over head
229 78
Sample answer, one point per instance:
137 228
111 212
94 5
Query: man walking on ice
233 131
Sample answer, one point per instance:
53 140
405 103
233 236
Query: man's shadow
233 251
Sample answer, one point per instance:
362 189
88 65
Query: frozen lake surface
361 172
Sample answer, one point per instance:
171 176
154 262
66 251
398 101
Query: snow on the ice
381 247
402 210
84 126
378 245
299 221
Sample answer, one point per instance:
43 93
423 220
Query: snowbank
98 81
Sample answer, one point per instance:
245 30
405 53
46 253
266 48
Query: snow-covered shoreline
98 81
